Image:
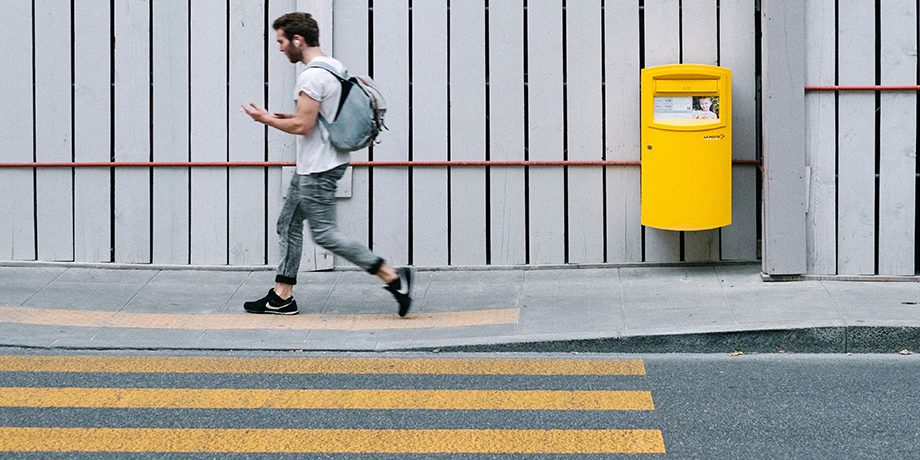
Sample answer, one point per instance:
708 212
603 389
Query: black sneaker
272 304
401 288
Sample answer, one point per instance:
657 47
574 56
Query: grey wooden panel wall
861 146
549 80
465 80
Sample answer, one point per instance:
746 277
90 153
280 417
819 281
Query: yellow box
687 147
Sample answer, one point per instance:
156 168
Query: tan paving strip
310 365
170 398
224 321
331 440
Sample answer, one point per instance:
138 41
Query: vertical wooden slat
585 130
736 30
784 137
315 257
247 139
898 138
209 131
53 142
821 146
856 140
545 106
132 130
700 45
281 79
17 197
429 132
621 37
506 127
391 187
662 46
700 28
351 47
323 12
92 130
467 127
170 132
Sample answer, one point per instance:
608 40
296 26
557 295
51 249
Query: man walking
311 195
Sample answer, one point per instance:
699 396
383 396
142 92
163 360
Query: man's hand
257 113
301 123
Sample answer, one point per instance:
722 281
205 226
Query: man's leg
290 234
280 299
319 208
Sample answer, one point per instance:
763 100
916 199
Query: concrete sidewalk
718 308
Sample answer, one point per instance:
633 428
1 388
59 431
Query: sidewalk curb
835 339
832 339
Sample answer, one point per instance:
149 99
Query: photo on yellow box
686 108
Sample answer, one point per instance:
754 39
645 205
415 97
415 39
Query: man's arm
302 122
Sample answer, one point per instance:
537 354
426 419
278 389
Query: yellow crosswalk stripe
331 440
159 398
308 365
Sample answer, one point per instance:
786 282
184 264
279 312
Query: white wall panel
856 140
621 38
898 160
209 131
507 231
546 193
430 110
17 197
391 185
821 141
54 141
247 139
784 138
132 130
92 131
467 127
170 132
736 26
585 130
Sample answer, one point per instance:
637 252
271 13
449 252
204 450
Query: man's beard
294 55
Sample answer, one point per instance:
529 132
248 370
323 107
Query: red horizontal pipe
362 164
864 88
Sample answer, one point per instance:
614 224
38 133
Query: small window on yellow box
686 108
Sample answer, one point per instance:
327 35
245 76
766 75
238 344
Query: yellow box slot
686 86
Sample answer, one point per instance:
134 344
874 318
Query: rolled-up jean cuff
285 280
375 267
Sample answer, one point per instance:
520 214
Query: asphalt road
476 405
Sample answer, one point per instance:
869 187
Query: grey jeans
312 198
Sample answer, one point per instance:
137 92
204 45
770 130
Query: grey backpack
361 109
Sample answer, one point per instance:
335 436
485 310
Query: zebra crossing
321 404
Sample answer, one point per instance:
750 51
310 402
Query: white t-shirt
314 151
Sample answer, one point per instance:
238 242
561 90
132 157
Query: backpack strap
344 76
341 77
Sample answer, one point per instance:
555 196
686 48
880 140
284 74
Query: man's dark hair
301 24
